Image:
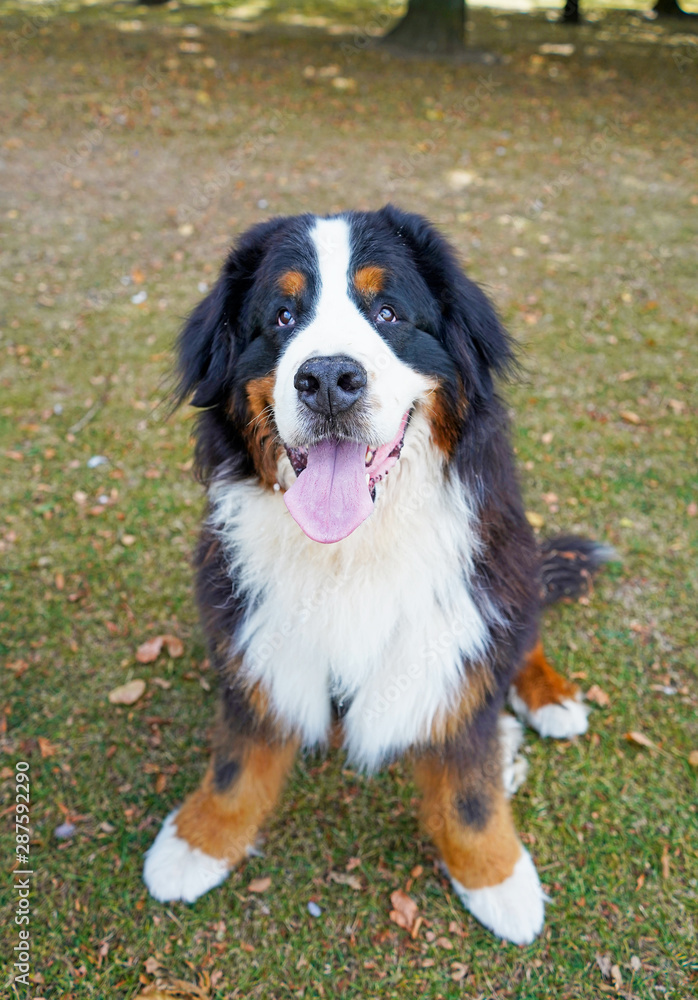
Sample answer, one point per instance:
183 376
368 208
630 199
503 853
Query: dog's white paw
561 721
514 764
514 909
175 870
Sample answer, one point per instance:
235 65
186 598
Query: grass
569 186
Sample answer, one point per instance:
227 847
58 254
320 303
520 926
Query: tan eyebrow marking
369 280
292 283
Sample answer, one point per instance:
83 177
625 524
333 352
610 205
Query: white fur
175 870
514 764
384 617
338 327
561 721
514 909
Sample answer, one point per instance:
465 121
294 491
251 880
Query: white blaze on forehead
339 327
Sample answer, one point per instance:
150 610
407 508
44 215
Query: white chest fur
383 618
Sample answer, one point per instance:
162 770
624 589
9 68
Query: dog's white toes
561 721
514 764
175 870
514 909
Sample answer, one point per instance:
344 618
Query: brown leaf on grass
458 971
46 748
150 649
443 942
151 965
629 417
693 758
127 694
167 989
605 964
259 884
18 667
665 861
175 646
598 696
640 739
353 881
405 912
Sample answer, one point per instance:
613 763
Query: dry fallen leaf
151 965
405 912
640 739
693 758
605 964
174 645
629 417
534 519
665 861
458 971
259 884
167 989
353 881
149 650
47 748
598 696
127 694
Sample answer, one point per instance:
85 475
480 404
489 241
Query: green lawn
133 149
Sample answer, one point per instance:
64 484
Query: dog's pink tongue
330 498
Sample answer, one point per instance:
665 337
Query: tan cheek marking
224 825
476 858
292 283
445 427
537 684
260 431
369 281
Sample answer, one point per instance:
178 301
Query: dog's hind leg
217 825
544 700
466 812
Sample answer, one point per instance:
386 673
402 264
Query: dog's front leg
466 813
216 826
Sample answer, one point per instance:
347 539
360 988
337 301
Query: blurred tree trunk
431 26
570 13
670 8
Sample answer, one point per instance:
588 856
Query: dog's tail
568 564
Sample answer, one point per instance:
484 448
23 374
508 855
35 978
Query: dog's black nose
330 385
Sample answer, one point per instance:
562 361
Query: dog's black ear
470 328
210 341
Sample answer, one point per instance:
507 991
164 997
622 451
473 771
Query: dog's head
319 341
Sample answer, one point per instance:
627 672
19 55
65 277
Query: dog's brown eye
284 317
387 315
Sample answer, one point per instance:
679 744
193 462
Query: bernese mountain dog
365 566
